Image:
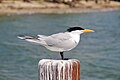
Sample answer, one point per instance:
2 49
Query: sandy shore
18 7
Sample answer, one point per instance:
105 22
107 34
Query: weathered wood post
49 69
86 0
96 1
1 1
27 1
107 1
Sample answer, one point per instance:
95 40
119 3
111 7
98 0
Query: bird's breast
76 38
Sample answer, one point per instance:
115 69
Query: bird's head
79 30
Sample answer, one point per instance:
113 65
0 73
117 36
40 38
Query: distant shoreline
54 11
32 8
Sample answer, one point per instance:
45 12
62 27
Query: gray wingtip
25 37
21 37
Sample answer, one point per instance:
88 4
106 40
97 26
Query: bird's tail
23 37
32 39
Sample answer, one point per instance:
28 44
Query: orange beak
87 30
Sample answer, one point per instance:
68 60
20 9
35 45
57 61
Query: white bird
60 42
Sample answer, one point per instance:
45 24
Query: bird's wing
61 36
59 40
41 36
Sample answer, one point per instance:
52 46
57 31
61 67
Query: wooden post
86 0
27 1
0 1
96 1
50 69
107 1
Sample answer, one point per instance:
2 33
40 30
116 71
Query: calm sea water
98 52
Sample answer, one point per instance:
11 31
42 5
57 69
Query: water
98 52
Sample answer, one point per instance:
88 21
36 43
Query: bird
59 42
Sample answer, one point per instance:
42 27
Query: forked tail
36 40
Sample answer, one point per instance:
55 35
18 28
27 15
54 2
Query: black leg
61 53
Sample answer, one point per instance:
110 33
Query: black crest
74 28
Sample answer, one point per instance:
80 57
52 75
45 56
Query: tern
59 42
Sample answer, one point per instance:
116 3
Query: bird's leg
61 53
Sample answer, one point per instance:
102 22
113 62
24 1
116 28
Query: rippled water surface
99 52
